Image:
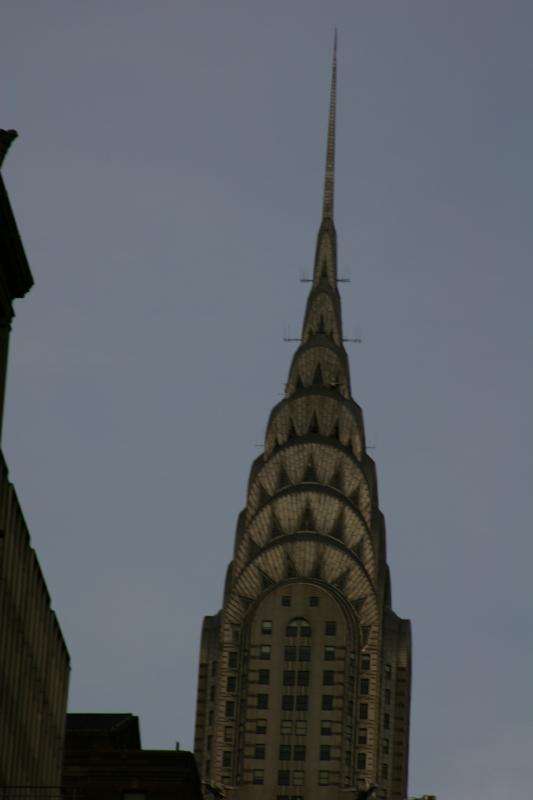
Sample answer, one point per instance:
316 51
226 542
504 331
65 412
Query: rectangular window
285 600
304 653
325 752
228 733
302 702
328 677
231 684
361 760
305 630
213 669
283 797
212 692
288 677
299 752
284 752
385 747
287 702
388 671
263 677
226 758
209 743
362 736
363 711
384 770
258 776
298 777
313 601
283 777
303 677
291 630
365 661
364 685
260 726
210 718
323 777
327 702
259 751
230 709
262 701
331 628
300 727
386 722
326 727
290 653
329 653
266 626
348 758
232 660
387 697
264 652
286 726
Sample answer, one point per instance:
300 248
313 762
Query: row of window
298 627
293 677
296 777
291 702
299 728
302 653
287 752
314 601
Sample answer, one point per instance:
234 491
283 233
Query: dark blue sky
167 184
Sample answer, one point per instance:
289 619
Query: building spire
329 181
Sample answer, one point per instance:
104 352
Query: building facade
104 761
304 675
34 662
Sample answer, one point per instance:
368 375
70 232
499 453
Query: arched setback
334 466
299 700
336 418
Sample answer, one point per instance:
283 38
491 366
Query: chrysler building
304 676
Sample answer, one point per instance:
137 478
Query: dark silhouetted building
34 662
304 676
104 761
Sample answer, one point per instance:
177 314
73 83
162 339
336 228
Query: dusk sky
167 185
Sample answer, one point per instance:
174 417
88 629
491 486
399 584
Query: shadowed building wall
34 662
104 761
304 676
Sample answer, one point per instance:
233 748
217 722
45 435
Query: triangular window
307 523
310 473
338 529
283 478
336 480
276 529
318 380
313 425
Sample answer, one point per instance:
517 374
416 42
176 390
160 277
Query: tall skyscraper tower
304 679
